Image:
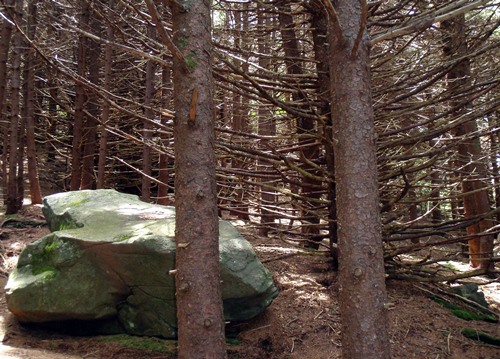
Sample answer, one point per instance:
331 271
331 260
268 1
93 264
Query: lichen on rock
107 260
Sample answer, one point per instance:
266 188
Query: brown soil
303 321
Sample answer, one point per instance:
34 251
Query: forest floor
302 322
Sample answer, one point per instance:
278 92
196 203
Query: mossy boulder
107 262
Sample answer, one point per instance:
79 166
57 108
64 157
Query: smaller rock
471 291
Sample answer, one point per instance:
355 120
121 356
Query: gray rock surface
107 262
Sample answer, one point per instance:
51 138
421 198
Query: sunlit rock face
107 262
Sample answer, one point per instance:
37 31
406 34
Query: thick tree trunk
361 267
198 287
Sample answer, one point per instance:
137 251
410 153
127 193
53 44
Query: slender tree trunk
5 42
92 106
80 100
495 150
306 128
29 109
266 127
239 121
361 267
147 127
52 85
6 33
164 163
14 199
320 40
164 172
198 287
108 73
471 165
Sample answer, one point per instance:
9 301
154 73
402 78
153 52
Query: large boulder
108 259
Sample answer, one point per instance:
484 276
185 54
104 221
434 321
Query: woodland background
86 102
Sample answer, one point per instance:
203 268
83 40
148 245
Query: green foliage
450 265
123 237
41 262
233 341
463 313
76 202
279 112
66 225
191 60
182 43
475 334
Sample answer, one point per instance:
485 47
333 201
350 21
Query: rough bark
198 289
361 267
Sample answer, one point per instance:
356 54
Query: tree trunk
306 128
198 288
361 267
80 100
29 109
108 73
164 163
239 121
320 40
266 127
5 42
164 172
14 199
495 170
470 163
147 128
92 106
4 51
